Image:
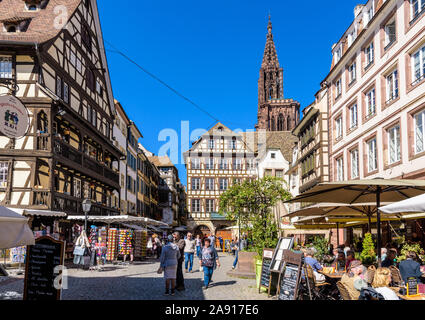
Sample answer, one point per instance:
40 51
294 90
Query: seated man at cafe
353 279
339 263
410 268
315 265
390 259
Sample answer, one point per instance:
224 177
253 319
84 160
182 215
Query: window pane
419 144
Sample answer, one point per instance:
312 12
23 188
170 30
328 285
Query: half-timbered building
219 159
52 58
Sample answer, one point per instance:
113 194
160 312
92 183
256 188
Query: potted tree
251 203
368 255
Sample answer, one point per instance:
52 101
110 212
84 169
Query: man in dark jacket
410 268
181 244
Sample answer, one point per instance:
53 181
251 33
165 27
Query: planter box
246 266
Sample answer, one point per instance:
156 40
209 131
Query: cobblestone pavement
141 282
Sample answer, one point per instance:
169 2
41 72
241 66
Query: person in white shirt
189 251
381 283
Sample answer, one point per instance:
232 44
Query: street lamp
86 208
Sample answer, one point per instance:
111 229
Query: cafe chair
345 295
319 290
370 274
395 276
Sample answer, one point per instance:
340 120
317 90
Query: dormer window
338 54
14 25
31 7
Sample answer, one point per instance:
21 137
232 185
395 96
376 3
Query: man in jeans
189 251
181 244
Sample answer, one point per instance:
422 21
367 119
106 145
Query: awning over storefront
119 219
155 229
40 213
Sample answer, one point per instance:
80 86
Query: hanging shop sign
14 119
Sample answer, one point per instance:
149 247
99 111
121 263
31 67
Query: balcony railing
73 206
76 156
42 142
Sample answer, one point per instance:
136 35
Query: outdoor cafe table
417 298
334 276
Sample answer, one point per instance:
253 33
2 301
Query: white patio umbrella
14 230
415 204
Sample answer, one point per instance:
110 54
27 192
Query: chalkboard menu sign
42 259
290 278
265 268
283 244
412 287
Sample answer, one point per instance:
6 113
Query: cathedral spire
270 55
274 112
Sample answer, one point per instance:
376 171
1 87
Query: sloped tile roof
282 140
163 161
42 26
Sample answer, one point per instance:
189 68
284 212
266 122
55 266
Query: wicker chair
395 276
370 274
345 295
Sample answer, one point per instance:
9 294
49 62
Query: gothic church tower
275 113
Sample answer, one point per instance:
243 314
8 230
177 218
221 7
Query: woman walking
209 261
81 245
198 246
156 245
168 262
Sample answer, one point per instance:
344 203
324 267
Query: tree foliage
411 247
368 255
250 203
321 244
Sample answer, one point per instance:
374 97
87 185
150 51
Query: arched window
42 122
280 123
272 125
288 124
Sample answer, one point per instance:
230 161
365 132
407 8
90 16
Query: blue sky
211 52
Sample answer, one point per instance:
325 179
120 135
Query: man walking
212 240
181 244
189 251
